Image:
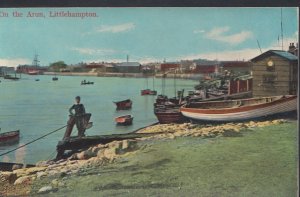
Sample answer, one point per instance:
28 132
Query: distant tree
56 66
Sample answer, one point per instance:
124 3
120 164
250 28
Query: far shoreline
127 75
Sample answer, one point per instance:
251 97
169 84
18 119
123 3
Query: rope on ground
32 141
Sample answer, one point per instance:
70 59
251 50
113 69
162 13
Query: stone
16 166
42 164
20 172
22 180
86 155
34 170
46 189
10 177
55 182
129 144
95 149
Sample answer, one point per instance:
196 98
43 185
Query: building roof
284 54
135 64
234 64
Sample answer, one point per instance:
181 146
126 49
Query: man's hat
77 97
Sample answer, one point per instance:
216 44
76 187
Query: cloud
14 62
219 34
93 51
116 28
199 31
286 42
243 54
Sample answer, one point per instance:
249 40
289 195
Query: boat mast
35 61
175 91
281 29
153 79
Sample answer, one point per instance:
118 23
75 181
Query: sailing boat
54 78
147 91
35 64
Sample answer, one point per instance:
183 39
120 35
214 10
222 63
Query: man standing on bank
80 118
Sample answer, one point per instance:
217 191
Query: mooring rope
32 141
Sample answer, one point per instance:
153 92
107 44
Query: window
269 79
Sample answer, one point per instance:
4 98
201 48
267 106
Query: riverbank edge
21 180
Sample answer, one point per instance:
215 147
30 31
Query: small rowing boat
9 137
84 82
124 120
148 92
124 105
239 110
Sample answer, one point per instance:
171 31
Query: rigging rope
33 141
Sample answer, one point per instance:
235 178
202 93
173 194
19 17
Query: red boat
124 120
33 72
9 137
148 92
123 105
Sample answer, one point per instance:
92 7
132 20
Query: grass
262 162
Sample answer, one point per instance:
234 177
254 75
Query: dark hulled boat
9 137
124 105
87 83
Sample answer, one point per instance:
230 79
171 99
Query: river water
39 107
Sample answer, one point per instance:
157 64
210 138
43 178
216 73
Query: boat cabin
275 72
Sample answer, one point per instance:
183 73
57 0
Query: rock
129 144
34 170
42 164
10 177
23 180
20 172
61 184
16 166
86 155
95 149
110 153
115 144
55 182
46 189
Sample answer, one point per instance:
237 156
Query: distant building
187 66
6 70
275 72
206 69
129 67
237 67
169 66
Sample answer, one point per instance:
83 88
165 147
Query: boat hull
9 137
242 113
124 105
124 120
148 92
165 117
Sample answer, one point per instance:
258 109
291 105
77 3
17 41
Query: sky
145 34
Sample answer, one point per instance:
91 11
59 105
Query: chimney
292 48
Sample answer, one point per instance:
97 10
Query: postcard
149 101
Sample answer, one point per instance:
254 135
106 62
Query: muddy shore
53 177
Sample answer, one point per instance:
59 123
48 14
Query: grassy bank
260 162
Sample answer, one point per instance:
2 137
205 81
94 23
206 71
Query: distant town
184 68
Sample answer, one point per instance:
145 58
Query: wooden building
275 72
